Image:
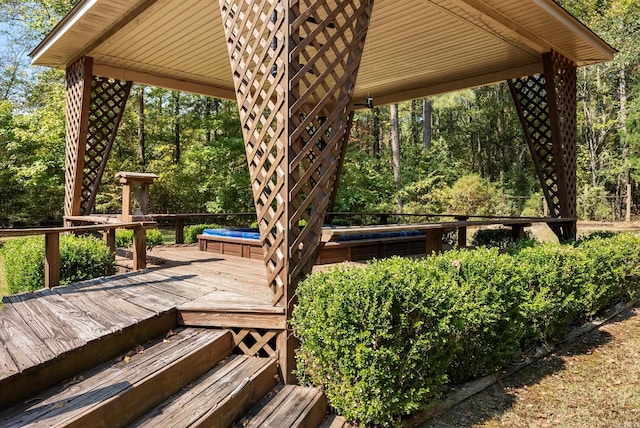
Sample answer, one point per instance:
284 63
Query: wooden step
116 393
217 398
290 407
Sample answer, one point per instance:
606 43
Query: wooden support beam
52 259
109 237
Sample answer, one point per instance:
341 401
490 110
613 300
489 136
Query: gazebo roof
414 48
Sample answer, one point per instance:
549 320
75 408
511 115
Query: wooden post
517 232
126 202
109 237
139 248
434 241
462 231
51 260
179 230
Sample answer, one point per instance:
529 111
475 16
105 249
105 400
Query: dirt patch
593 381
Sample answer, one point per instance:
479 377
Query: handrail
52 243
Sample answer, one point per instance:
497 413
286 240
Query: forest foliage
473 160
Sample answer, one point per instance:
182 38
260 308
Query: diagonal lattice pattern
546 105
294 68
76 106
108 99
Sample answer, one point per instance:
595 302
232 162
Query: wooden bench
434 231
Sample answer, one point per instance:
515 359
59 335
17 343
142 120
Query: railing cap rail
75 229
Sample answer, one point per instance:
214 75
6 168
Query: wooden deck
38 329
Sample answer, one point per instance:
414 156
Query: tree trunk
207 119
414 123
376 133
395 149
622 123
141 134
176 127
426 123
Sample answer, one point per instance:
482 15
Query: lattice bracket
546 105
95 106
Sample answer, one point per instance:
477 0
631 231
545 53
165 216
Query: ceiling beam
151 79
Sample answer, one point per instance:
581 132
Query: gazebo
298 69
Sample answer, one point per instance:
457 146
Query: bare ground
591 382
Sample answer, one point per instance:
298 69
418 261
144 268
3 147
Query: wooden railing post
109 236
139 248
179 230
462 231
51 259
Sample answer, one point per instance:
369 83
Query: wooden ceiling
414 48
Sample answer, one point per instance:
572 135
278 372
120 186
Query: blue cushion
246 233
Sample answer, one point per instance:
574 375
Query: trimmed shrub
124 238
489 326
81 258
378 340
495 238
191 232
383 341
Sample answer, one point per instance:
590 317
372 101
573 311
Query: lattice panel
76 102
255 343
546 105
564 82
294 108
327 44
108 100
255 34
531 100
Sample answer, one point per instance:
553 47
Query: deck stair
191 367
288 406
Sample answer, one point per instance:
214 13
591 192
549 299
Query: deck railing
52 243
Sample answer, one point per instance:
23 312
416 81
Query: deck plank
129 310
24 346
103 311
46 323
7 365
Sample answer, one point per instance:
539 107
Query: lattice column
546 105
94 109
294 66
78 79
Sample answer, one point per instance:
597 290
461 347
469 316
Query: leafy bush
489 326
378 340
124 238
495 238
383 341
191 232
81 258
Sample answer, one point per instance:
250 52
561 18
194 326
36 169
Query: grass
591 382
4 288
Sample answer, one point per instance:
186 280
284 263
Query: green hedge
124 238
191 232
494 238
384 341
81 258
